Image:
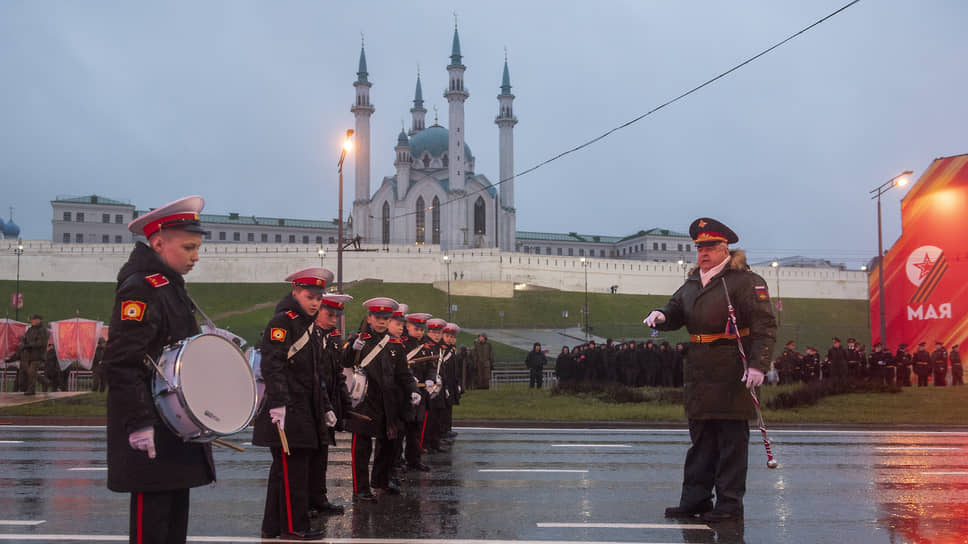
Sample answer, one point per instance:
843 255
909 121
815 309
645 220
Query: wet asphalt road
561 485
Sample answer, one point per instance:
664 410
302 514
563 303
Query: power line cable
640 117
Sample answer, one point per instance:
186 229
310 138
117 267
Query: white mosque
435 196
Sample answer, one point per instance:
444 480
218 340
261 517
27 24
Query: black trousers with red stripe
287 506
159 518
317 477
411 449
430 434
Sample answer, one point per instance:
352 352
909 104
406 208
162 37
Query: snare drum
204 388
255 362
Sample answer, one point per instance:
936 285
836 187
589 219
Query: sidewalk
17 399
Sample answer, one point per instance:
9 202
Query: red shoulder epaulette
292 315
429 346
157 280
365 336
334 332
396 340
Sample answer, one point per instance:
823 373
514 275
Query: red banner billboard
926 271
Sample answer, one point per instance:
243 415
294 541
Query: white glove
429 384
143 440
358 343
439 380
460 389
330 418
447 393
753 377
414 398
655 318
278 415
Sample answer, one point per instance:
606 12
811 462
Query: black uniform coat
712 371
421 371
294 383
157 313
388 380
334 381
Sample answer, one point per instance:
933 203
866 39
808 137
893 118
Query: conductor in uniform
717 404
151 311
295 405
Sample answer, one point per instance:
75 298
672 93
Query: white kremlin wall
251 263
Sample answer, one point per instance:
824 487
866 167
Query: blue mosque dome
10 229
434 140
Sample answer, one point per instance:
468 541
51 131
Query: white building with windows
435 196
646 245
91 219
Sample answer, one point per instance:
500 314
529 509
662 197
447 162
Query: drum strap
375 351
208 321
301 343
415 351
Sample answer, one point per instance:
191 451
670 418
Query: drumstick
421 359
219 442
282 438
359 415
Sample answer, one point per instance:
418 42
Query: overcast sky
245 103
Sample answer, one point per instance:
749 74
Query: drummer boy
151 311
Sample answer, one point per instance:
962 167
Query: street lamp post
322 255
682 265
779 304
447 262
19 251
347 145
899 180
584 265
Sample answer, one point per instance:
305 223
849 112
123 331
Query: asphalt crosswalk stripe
552 525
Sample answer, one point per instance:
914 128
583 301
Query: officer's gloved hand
358 343
143 440
753 377
278 416
655 318
330 418
429 384
414 398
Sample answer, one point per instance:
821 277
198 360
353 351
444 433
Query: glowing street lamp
585 264
899 180
19 297
447 262
347 146
322 255
779 304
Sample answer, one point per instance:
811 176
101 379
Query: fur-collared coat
712 372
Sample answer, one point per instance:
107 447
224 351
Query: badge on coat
277 335
157 280
761 292
133 310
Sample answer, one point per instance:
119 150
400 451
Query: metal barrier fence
80 380
506 377
8 380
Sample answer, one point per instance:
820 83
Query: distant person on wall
483 356
98 383
837 359
957 371
32 356
939 364
52 369
535 362
922 364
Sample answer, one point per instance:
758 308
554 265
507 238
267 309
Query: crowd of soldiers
878 366
37 362
628 363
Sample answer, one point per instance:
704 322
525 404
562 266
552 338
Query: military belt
709 338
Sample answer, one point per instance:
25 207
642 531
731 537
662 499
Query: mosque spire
418 113
506 78
361 73
455 56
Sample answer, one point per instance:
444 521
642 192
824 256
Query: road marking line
945 473
11 441
590 446
553 525
918 448
585 430
23 523
121 538
531 470
87 469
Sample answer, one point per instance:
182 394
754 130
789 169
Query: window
332 239
105 218
292 238
571 252
527 249
80 217
278 238
680 247
687 247
559 251
305 238
480 223
421 221
548 251
67 236
426 161
117 239
118 218
79 238
319 239
221 235
655 245
601 252
67 216
105 239
250 237
386 223
236 236
208 235
663 246
435 221
264 237
581 252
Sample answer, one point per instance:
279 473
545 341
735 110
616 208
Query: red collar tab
157 280
396 340
292 315
334 332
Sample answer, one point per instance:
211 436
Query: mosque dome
434 140
10 229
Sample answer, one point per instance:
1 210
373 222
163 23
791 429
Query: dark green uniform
716 401
32 356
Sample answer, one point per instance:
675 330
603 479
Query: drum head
217 384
